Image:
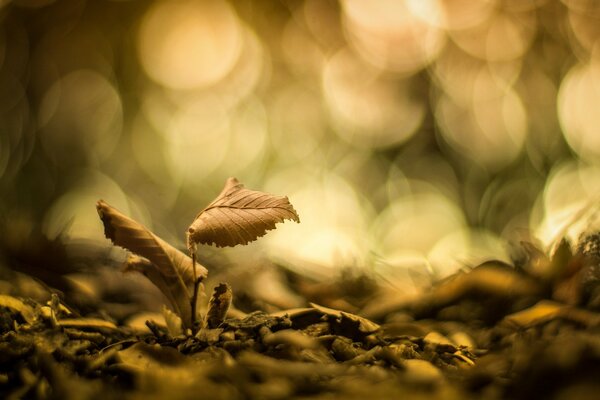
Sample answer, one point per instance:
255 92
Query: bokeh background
417 135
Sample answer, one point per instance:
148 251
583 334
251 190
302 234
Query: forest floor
496 331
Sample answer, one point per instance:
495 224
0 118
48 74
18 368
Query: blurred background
412 136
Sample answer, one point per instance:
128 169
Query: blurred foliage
407 134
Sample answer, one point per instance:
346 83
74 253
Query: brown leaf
218 305
364 325
135 263
238 216
168 268
13 303
89 323
546 310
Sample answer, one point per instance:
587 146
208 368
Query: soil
497 331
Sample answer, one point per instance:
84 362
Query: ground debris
492 332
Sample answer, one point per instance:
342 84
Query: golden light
323 22
197 139
189 44
578 99
464 14
82 113
300 50
545 137
414 222
368 108
392 125
503 37
334 221
486 119
460 75
249 127
251 69
74 214
583 20
298 123
396 35
568 212
466 247
148 150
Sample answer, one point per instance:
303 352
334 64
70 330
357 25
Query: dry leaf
218 305
168 268
173 322
546 310
238 216
13 303
90 323
142 265
364 325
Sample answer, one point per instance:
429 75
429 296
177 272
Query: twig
195 294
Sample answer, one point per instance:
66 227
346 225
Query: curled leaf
238 216
177 300
218 305
168 268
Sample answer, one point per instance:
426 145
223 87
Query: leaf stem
194 299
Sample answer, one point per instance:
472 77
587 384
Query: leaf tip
295 217
100 206
232 181
103 209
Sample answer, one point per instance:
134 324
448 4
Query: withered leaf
26 311
218 305
168 268
238 216
364 325
135 263
542 311
89 323
547 310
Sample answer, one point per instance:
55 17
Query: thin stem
194 264
195 295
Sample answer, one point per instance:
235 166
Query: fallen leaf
238 216
546 310
154 360
292 338
491 278
90 323
163 372
13 303
364 325
168 268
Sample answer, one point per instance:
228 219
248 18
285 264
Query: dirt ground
495 331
